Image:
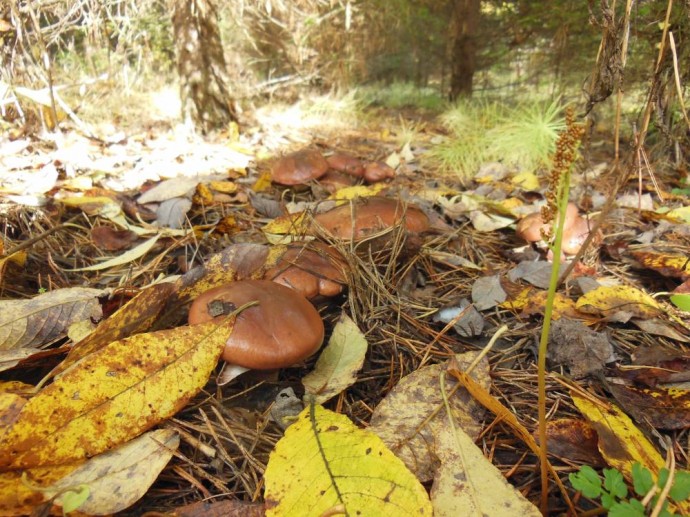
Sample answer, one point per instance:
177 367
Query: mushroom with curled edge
313 268
281 329
299 167
575 229
346 163
366 216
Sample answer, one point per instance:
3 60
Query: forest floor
119 213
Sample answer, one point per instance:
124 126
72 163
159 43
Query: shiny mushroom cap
369 215
575 235
343 162
299 167
530 227
281 330
312 268
378 171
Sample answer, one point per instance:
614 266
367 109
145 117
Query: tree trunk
204 92
463 46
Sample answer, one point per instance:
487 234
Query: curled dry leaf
113 395
40 320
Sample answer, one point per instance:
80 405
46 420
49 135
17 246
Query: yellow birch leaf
526 181
127 257
338 364
20 496
619 303
468 484
326 465
621 443
292 224
263 183
113 395
117 479
136 316
520 301
347 193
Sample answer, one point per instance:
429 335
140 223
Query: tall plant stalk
557 201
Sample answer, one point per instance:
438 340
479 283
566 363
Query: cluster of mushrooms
281 327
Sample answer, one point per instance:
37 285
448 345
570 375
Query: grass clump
523 137
399 95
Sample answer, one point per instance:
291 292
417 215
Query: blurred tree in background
286 47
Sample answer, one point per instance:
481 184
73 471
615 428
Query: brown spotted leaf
110 239
674 266
40 320
134 317
113 395
663 408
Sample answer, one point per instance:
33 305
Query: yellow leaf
113 395
526 181
619 303
19 496
621 443
347 193
227 187
127 257
520 301
292 224
680 214
263 183
338 364
94 205
118 478
468 483
325 464
136 316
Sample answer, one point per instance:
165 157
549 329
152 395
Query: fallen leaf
226 508
619 303
582 350
130 256
488 222
674 266
43 318
172 213
662 408
347 193
113 395
468 484
526 181
23 496
411 416
467 321
168 189
10 406
118 478
337 366
325 465
659 327
110 239
136 316
487 292
574 440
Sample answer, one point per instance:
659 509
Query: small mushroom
343 162
575 230
299 167
314 269
378 171
369 215
530 227
281 330
334 180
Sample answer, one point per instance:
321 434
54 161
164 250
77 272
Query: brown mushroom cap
283 329
575 235
299 167
343 162
371 214
378 171
529 228
312 268
334 180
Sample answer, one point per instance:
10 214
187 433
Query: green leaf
663 478
586 481
607 500
632 508
73 499
681 486
682 301
615 484
642 479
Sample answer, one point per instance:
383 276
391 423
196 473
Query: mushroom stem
229 372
